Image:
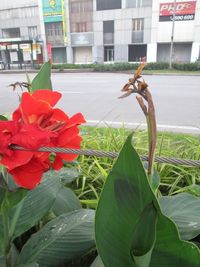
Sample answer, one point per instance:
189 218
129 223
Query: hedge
128 66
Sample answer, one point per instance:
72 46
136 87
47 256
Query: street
177 99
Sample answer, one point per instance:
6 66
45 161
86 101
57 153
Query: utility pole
172 36
42 28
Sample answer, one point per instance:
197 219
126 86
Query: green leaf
11 199
64 238
184 210
65 175
123 205
29 82
32 264
155 178
66 201
43 79
8 179
3 118
97 262
34 206
155 181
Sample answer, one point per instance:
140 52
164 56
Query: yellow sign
52 3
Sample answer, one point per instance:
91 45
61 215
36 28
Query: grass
95 170
165 72
171 71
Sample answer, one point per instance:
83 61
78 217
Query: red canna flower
36 123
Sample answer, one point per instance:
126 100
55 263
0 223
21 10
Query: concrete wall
20 19
4 4
122 28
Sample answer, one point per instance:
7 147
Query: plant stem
6 237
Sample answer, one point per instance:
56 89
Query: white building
87 31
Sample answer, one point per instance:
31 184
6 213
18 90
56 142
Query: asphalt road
177 99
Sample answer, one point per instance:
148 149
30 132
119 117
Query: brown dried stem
135 85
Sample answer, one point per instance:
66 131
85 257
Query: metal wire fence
97 153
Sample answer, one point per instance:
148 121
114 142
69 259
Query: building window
108 53
108 4
138 24
138 3
137 53
81 6
108 32
28 12
32 32
138 30
11 33
54 29
81 27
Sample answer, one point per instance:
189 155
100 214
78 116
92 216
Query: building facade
20 32
100 31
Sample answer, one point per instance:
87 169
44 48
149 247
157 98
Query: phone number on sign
183 17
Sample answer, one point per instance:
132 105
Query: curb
93 71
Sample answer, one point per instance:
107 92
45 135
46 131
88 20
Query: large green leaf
43 79
64 238
34 206
3 118
66 175
184 210
127 201
66 201
29 265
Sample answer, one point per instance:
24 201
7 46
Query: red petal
51 97
77 119
29 175
58 163
32 108
66 136
59 115
74 143
32 137
16 159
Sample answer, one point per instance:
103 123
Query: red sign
49 51
181 8
183 11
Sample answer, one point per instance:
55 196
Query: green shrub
187 66
157 66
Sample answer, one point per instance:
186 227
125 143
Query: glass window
11 33
138 3
138 24
32 32
108 32
108 53
137 53
146 2
131 3
81 6
54 29
108 4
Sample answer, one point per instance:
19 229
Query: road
177 99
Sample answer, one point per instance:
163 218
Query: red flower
36 123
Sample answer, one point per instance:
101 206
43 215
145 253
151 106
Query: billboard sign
52 10
183 11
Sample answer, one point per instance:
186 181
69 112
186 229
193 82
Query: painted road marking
142 125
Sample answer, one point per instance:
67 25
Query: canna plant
134 225
42 222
